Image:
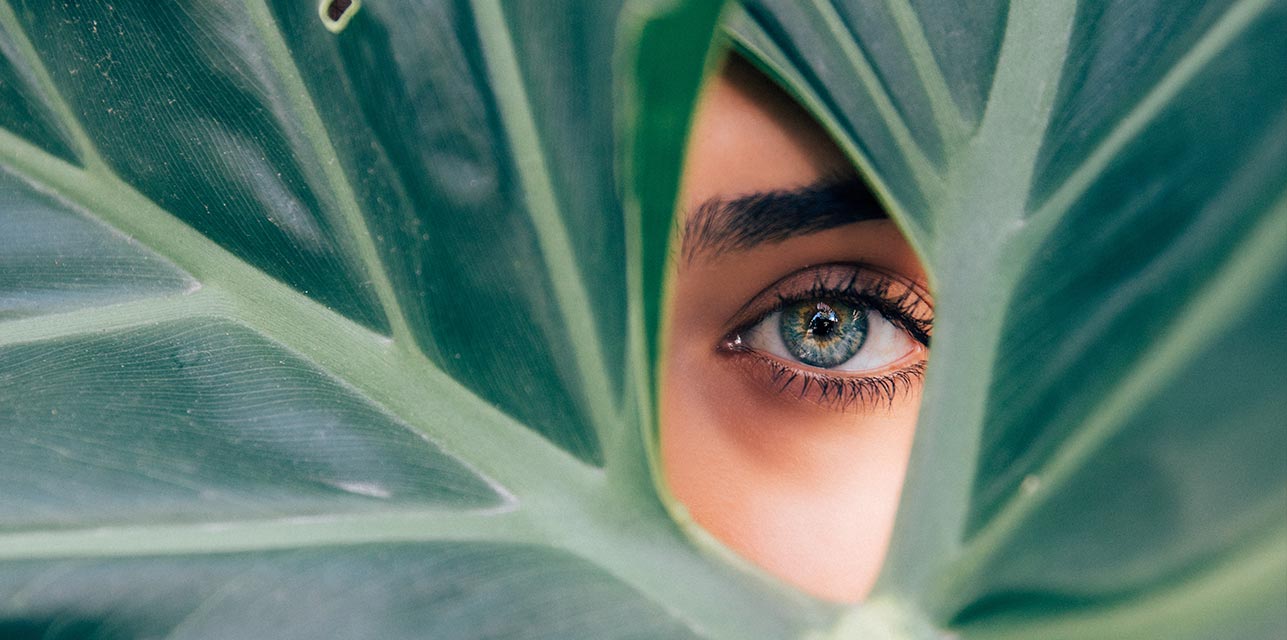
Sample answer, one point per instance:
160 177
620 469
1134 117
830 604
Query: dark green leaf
1101 447
314 328
318 329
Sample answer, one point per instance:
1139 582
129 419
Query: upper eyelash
909 310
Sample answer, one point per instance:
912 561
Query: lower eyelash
839 393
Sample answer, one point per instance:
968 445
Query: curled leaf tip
336 14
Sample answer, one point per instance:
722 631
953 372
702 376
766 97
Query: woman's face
796 336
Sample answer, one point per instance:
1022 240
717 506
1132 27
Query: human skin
803 486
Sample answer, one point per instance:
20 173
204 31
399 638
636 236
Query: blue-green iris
823 334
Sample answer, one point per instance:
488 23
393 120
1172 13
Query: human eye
841 335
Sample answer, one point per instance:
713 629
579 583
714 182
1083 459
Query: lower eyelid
835 392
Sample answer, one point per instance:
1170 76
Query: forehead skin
749 136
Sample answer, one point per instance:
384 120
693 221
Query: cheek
807 493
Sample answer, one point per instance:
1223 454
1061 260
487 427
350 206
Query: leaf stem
322 530
990 183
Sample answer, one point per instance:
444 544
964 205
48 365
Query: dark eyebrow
719 225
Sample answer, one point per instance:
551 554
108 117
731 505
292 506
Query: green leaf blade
200 420
127 80
53 259
1178 218
1121 50
452 219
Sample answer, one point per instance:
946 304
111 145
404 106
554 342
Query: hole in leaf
337 8
336 14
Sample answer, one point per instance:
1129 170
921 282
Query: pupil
824 322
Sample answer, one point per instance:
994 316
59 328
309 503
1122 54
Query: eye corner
732 342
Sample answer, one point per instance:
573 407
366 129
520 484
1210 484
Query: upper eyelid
770 299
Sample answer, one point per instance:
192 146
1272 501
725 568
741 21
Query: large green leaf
345 332
308 333
1100 192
